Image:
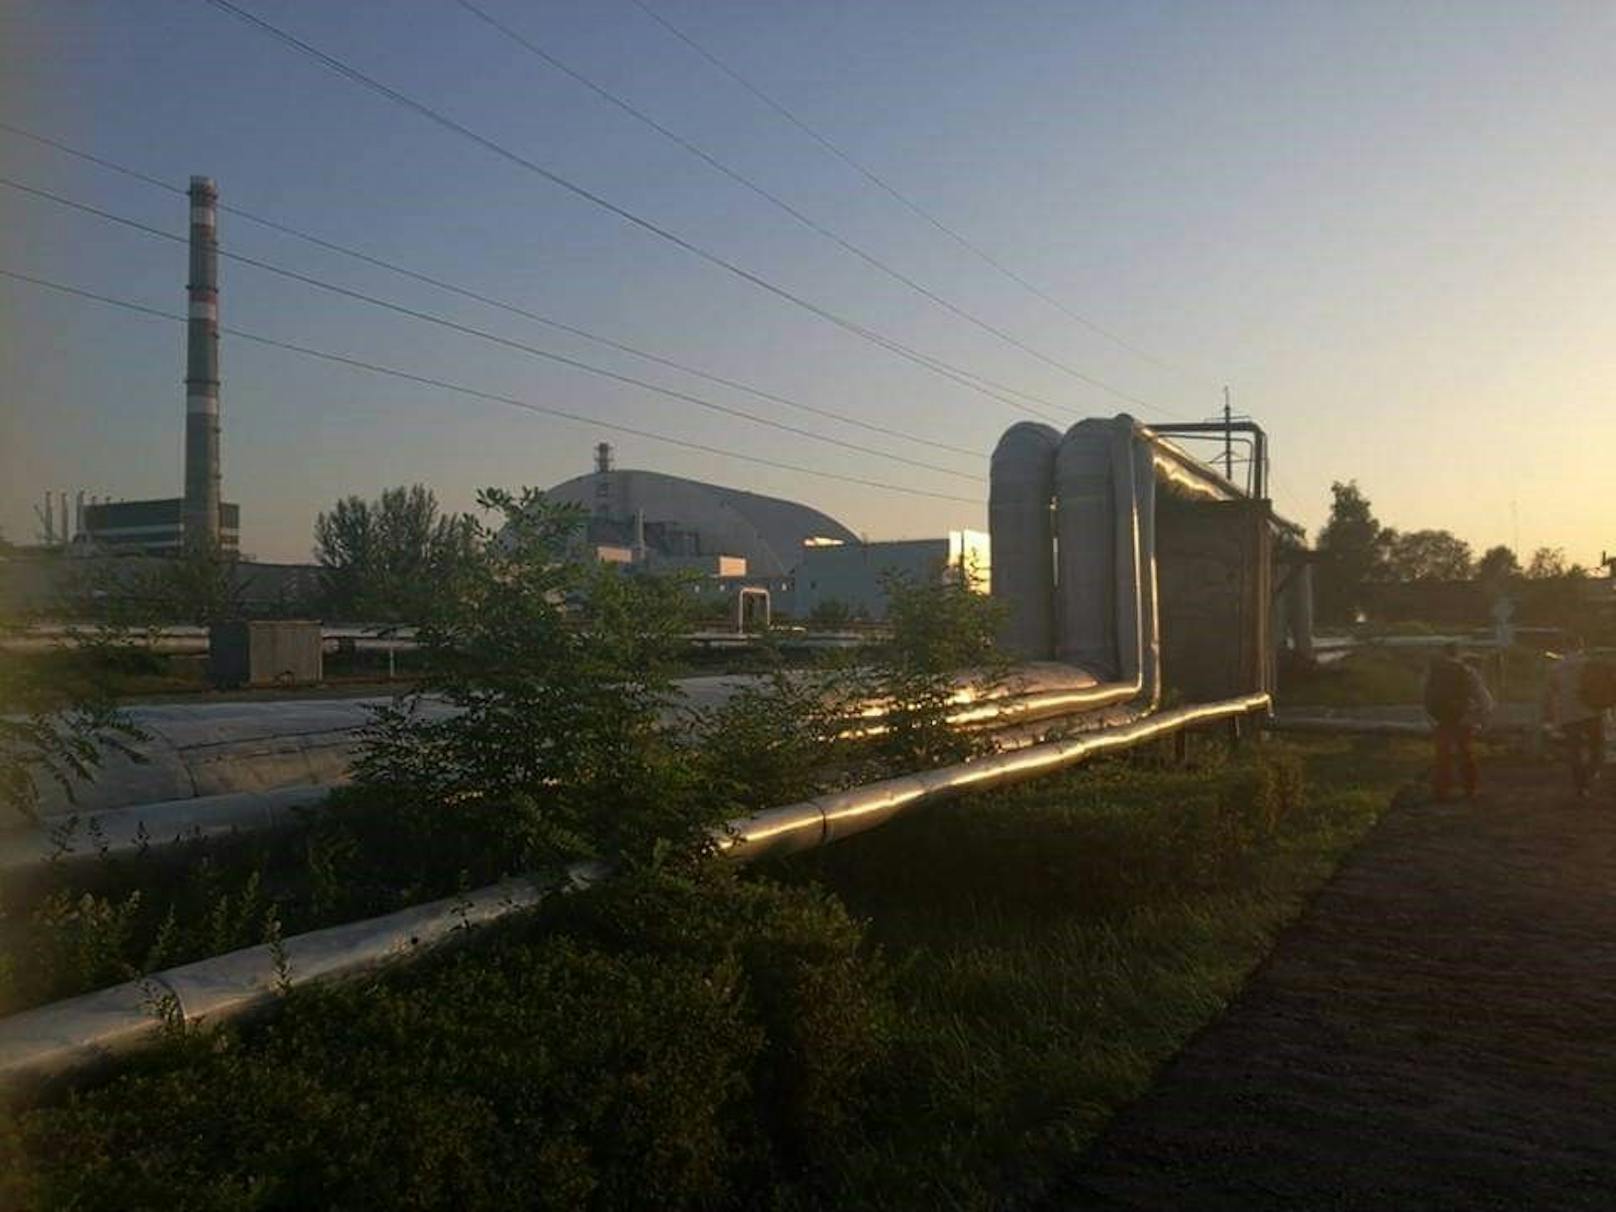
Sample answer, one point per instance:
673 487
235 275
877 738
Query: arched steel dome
689 517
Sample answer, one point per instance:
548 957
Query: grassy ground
1030 959
1382 676
1054 945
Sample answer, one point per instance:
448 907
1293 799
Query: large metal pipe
73 1037
81 1034
26 855
1105 480
1300 612
1021 504
1089 556
201 515
830 818
318 754
1108 617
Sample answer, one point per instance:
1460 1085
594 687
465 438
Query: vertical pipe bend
1021 498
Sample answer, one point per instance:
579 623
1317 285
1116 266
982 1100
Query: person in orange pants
1456 699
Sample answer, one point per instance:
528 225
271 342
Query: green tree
830 614
560 673
1497 567
1547 562
56 720
1427 555
1353 544
202 585
941 649
383 560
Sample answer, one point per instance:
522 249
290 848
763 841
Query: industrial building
646 517
736 540
200 517
152 527
853 575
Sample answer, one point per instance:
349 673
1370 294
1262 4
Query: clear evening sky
1390 228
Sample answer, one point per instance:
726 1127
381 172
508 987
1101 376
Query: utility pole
1228 436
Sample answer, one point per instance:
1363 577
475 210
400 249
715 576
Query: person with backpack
1457 701
1578 693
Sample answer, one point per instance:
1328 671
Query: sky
1388 228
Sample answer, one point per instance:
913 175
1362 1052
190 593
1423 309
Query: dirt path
1438 1031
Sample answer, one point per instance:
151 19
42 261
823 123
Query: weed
586 1062
1052 944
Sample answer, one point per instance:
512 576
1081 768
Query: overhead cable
491 301
807 221
481 334
462 389
903 199
976 382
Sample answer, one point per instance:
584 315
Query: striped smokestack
202 370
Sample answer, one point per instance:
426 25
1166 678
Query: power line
488 300
462 389
970 379
468 330
903 199
807 221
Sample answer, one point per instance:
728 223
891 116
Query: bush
941 642
560 670
818 995
659 1041
132 919
1054 943
774 742
57 717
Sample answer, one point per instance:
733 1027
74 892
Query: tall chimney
603 484
202 475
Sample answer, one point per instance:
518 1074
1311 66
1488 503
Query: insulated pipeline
69 1039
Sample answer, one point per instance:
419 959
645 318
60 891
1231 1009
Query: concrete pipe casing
1021 496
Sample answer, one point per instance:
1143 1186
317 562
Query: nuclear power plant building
654 518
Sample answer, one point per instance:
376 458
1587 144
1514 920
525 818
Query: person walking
1457 701
1579 715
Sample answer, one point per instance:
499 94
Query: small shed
277 652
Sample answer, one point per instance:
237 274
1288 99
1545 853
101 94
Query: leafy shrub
57 716
818 995
940 629
775 741
74 939
545 1076
831 614
1052 944
560 670
657 1042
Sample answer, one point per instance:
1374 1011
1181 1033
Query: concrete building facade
852 574
157 527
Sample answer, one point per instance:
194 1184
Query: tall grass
1007 971
1375 676
1052 946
